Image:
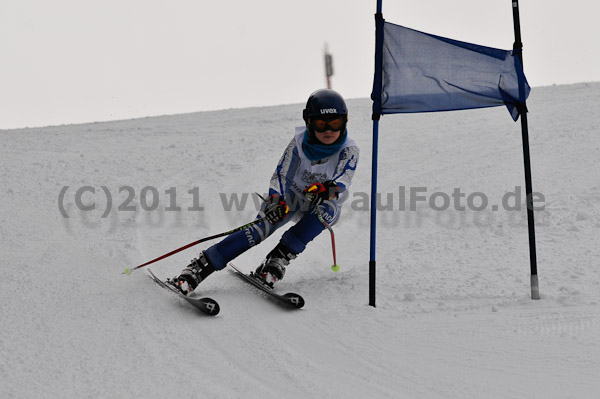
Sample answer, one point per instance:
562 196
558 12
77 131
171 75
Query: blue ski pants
307 227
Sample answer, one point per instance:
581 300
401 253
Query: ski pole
128 270
335 267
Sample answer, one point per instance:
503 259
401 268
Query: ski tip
127 271
211 306
294 300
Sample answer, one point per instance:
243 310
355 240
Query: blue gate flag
421 72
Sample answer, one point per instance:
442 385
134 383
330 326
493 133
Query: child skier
316 170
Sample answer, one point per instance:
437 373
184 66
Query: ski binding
206 305
291 299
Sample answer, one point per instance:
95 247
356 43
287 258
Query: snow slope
454 318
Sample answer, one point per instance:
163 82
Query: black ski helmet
325 104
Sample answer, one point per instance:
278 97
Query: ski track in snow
453 320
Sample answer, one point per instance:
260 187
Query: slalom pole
377 112
518 49
335 267
128 270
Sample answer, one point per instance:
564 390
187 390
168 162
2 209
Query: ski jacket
295 171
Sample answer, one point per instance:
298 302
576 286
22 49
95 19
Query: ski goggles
321 125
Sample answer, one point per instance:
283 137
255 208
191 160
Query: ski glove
276 209
316 193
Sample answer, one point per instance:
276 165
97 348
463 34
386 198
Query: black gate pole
518 49
376 97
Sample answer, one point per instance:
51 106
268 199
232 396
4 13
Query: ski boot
272 269
192 275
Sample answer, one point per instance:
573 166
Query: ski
206 305
290 299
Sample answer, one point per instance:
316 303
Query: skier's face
328 137
328 130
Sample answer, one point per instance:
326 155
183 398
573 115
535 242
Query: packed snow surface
454 317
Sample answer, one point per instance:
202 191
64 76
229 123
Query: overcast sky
73 61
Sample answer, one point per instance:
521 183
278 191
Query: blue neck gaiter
315 150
